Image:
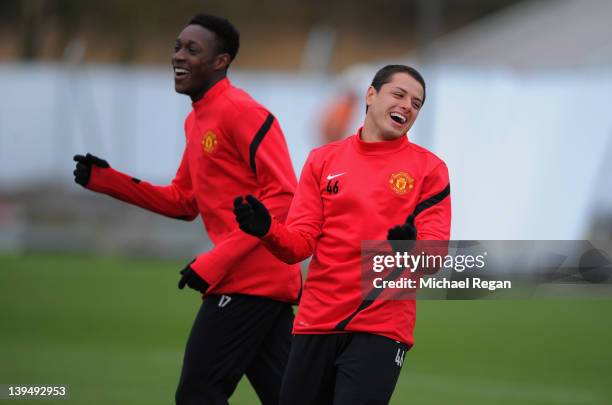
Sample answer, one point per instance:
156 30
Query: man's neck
214 80
369 133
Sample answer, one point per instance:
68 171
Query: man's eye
417 106
192 51
397 95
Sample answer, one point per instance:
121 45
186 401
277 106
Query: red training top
233 145
351 191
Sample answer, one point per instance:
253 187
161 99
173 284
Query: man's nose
178 55
406 105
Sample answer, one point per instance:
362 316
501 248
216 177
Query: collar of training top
213 92
379 148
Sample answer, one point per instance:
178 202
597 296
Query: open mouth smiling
399 118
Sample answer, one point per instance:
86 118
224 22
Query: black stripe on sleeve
259 136
431 201
375 292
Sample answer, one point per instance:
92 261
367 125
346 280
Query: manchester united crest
401 182
209 141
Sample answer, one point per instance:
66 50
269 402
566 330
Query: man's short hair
228 38
385 74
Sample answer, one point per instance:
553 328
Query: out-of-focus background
517 105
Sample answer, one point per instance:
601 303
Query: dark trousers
342 369
234 335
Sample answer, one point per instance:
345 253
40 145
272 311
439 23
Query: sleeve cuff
99 177
205 267
272 232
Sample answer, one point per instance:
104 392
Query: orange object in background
336 118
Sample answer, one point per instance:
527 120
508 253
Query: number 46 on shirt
334 189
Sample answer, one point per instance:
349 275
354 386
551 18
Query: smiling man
232 144
374 185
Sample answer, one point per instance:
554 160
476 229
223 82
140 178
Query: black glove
82 172
252 216
406 231
192 279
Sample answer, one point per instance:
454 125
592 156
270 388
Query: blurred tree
31 24
135 30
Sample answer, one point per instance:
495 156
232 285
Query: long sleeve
433 212
175 200
296 240
261 145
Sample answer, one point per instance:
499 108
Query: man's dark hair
384 76
228 38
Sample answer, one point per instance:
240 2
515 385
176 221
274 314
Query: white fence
527 152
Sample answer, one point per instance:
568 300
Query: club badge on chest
401 182
209 142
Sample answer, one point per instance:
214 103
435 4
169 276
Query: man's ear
370 96
222 61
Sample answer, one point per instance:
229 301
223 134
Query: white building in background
541 129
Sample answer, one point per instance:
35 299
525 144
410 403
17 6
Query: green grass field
114 330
